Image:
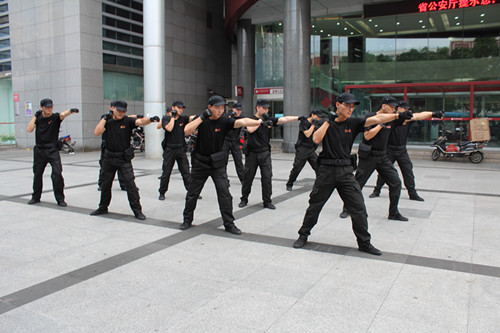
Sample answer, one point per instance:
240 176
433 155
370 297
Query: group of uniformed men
385 134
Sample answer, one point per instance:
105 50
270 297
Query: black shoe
62 203
140 216
300 242
398 217
269 206
370 249
375 194
416 197
33 201
289 188
99 211
233 229
242 203
185 225
344 214
161 197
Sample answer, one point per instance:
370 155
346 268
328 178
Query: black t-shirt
235 132
304 125
379 141
118 133
211 134
176 136
260 137
399 134
47 129
339 138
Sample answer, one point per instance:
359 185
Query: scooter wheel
435 154
476 157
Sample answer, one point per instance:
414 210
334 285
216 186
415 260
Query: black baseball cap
179 104
389 100
237 105
316 112
404 105
169 109
263 103
112 104
121 105
46 102
347 98
216 100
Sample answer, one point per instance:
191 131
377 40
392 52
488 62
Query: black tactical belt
113 154
175 145
378 152
46 145
335 161
258 150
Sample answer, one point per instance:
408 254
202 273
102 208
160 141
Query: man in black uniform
174 146
46 150
305 148
259 154
209 160
103 139
373 156
335 170
118 154
232 143
396 151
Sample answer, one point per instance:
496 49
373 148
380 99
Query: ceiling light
397 23
420 21
329 35
312 26
456 17
321 30
279 23
376 25
482 21
370 20
352 33
345 28
381 30
483 14
423 27
458 23
338 23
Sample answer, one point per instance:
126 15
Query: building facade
300 54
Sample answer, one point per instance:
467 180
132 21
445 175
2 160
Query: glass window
269 56
123 86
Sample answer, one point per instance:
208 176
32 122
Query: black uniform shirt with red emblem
47 129
339 138
211 134
379 141
176 136
118 133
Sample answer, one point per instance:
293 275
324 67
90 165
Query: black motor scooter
465 148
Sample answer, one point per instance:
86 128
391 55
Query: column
246 64
296 72
154 72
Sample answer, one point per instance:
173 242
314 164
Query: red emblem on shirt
122 126
217 129
347 130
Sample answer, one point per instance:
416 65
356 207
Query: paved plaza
63 270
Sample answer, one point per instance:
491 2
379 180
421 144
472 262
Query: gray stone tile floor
66 271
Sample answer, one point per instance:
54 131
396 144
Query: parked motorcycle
470 149
191 141
66 144
138 139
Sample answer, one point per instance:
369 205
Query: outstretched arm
287 119
248 122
